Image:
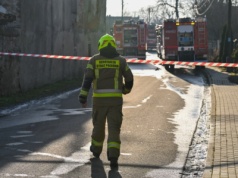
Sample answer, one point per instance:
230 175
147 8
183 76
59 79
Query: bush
233 79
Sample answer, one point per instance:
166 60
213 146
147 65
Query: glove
82 99
125 90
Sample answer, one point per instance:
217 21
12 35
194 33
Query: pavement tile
223 144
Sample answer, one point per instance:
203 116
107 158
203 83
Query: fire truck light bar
192 23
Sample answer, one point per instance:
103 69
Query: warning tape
161 62
45 56
129 60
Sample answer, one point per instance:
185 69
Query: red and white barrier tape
45 56
129 60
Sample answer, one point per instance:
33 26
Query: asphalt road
52 138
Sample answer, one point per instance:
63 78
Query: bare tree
151 15
175 8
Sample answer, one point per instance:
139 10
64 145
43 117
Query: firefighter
111 78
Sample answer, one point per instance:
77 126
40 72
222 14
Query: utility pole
229 37
122 9
229 31
150 9
149 15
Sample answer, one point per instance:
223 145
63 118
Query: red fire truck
184 39
151 38
130 37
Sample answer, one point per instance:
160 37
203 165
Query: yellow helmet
105 40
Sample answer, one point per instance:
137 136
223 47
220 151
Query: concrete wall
60 27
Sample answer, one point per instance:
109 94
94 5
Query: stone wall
60 27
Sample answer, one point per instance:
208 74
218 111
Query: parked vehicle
184 39
151 38
130 37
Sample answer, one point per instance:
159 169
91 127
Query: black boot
96 155
113 163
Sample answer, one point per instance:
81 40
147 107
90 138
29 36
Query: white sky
114 7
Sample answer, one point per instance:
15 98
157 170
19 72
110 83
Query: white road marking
139 105
23 150
146 99
24 132
126 154
20 136
81 157
14 144
77 159
129 107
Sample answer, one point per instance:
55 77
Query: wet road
52 138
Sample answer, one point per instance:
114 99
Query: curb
210 153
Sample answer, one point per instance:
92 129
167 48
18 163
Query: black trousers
113 116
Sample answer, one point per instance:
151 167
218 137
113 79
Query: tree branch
165 4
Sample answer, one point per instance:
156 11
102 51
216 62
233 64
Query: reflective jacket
108 76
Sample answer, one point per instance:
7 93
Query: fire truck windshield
185 35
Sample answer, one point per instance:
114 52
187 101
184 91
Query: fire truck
130 37
151 38
184 39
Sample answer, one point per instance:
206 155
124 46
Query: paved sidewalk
222 158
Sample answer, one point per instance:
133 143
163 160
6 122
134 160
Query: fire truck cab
184 39
130 37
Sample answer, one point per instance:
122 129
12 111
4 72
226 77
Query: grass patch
232 74
37 93
233 78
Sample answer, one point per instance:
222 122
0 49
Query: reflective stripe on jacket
107 75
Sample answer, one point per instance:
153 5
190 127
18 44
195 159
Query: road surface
51 138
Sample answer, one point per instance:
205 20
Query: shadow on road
97 170
114 174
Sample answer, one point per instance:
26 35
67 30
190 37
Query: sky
114 7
